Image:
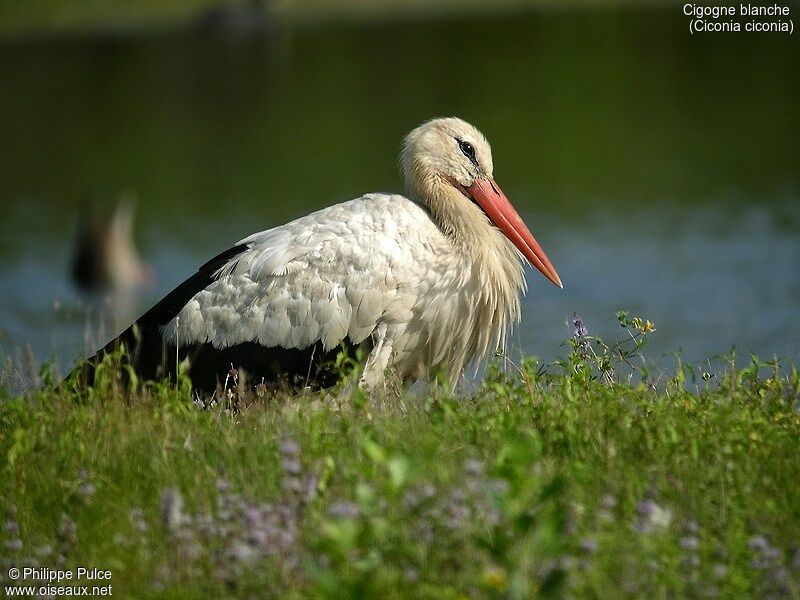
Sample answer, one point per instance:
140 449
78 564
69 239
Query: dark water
660 171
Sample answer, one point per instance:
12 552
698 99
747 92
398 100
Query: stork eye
468 151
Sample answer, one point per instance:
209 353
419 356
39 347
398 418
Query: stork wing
324 277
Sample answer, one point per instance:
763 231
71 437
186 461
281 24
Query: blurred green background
660 171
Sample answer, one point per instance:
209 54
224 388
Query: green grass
544 483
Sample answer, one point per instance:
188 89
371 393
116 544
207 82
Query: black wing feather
143 340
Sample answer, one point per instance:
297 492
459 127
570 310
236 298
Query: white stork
422 284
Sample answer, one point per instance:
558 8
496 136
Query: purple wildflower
289 448
292 466
651 516
13 544
344 510
171 508
473 467
580 333
689 543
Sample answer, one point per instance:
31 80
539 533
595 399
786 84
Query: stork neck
466 225
492 264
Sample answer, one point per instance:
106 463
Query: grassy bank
544 483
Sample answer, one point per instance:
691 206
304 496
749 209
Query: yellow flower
642 325
495 578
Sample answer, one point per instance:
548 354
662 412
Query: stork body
420 285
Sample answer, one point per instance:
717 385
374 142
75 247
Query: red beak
495 204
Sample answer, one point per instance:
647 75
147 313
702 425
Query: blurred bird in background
105 257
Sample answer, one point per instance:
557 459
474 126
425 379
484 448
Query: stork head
448 161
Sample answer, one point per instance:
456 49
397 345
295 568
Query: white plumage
423 285
344 271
